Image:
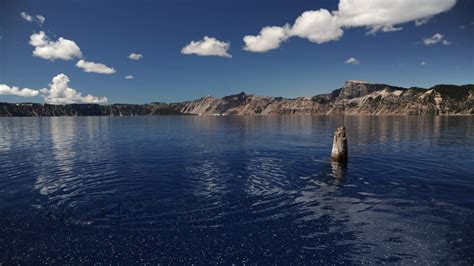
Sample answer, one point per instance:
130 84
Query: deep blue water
236 190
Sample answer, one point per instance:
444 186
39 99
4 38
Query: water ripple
259 188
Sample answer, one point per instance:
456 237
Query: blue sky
107 32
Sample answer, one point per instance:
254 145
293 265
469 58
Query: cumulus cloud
94 67
38 18
422 63
59 92
7 90
135 56
321 26
208 46
317 26
51 50
352 61
436 38
129 77
269 38
375 13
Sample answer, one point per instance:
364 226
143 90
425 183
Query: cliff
36 109
355 97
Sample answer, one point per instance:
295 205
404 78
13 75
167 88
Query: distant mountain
355 97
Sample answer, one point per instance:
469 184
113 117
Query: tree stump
339 146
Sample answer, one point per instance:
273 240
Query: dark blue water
236 190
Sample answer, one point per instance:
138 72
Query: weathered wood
339 146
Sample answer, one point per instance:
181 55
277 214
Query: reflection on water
339 171
5 139
62 138
236 190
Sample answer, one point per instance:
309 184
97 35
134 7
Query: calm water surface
236 190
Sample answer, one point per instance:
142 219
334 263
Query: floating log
339 146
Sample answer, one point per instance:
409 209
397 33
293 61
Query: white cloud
47 49
129 77
38 18
59 92
376 13
436 38
317 26
26 16
422 63
352 61
269 38
135 56
7 90
321 26
208 46
94 67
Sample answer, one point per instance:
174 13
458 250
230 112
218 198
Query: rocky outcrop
355 97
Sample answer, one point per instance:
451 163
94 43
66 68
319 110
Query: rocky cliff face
355 97
384 99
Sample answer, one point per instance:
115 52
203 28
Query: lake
253 190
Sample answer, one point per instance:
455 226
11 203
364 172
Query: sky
124 51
